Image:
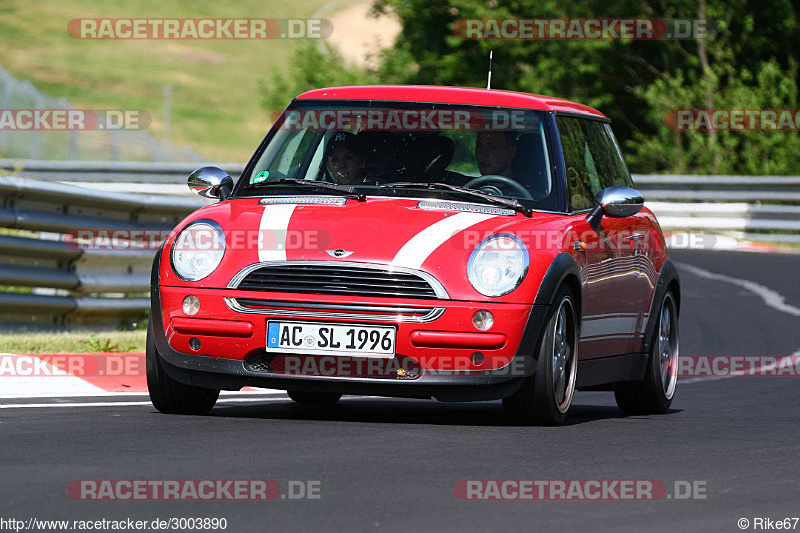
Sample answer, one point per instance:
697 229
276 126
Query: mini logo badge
338 253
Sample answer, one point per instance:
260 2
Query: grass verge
216 83
74 342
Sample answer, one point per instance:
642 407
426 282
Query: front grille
338 278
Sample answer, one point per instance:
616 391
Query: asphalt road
390 465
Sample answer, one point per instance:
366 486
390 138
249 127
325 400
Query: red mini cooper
408 241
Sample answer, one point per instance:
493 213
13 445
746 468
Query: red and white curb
80 374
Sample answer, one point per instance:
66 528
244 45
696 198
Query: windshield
387 149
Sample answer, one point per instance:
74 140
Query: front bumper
232 350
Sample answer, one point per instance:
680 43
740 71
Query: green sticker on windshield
261 176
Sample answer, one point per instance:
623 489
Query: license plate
331 339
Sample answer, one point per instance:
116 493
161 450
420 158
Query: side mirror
615 202
211 182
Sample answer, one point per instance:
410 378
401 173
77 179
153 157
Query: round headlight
197 250
498 265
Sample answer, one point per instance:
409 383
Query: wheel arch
675 287
668 280
562 270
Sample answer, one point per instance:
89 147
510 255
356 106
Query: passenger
344 159
494 152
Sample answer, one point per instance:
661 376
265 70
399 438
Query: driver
494 152
344 159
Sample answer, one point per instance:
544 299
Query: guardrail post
114 145
36 135
7 87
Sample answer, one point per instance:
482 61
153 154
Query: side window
622 168
593 160
580 166
605 151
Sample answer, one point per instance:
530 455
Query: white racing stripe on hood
423 244
272 229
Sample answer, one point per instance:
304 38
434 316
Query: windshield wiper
344 191
513 204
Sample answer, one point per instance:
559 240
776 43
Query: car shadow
404 411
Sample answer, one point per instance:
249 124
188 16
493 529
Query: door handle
635 238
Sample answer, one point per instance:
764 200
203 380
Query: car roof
450 95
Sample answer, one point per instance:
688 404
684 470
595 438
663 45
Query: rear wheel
170 396
545 397
314 398
654 394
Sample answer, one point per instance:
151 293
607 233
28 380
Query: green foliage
748 62
314 66
105 344
22 290
720 152
72 342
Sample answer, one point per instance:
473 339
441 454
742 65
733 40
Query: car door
609 265
637 238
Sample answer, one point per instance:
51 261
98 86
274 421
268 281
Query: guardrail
109 171
55 281
730 205
720 188
47 281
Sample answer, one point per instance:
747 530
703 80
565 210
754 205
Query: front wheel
170 396
545 397
654 394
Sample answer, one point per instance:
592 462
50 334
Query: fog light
482 319
194 343
478 358
191 305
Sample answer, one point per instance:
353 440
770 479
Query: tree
629 80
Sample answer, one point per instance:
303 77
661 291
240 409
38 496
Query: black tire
320 399
654 394
545 397
170 396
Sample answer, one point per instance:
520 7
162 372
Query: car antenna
489 82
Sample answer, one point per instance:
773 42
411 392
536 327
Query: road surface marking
771 298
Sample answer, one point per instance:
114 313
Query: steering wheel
493 179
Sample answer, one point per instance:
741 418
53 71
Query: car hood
430 235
